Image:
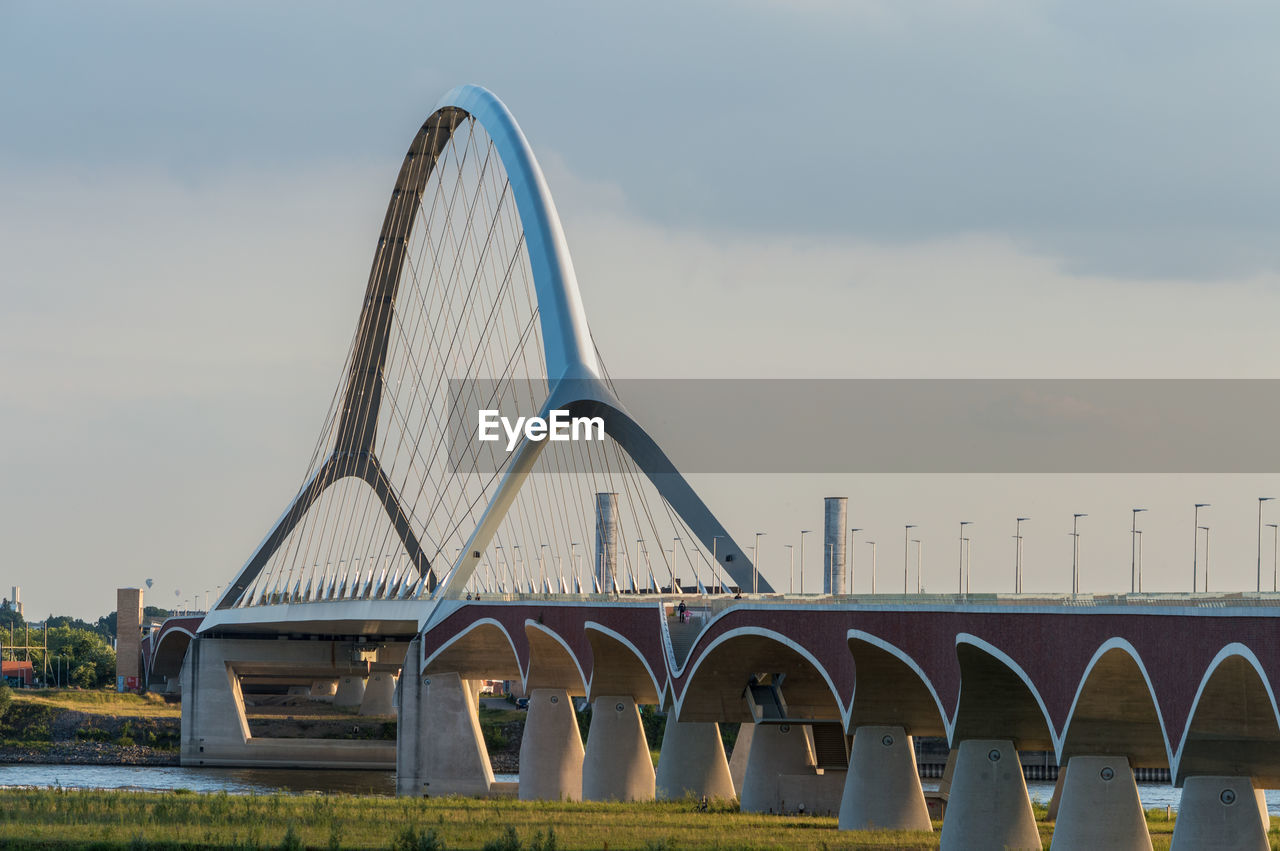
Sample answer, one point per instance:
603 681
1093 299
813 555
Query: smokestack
606 541
833 555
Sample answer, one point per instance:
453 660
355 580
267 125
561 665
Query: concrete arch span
891 689
1115 711
552 663
997 699
618 667
1233 729
714 686
166 659
484 650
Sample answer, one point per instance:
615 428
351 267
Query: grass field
99 702
49 819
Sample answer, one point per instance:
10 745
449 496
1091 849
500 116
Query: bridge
413 561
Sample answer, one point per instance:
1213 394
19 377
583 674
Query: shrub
292 841
6 698
411 840
508 841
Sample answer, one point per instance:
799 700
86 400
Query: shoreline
86 753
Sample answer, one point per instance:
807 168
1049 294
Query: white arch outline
759 632
1114 643
620 638
902 656
165 633
1235 648
474 625
989 648
530 622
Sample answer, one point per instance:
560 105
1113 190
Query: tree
91 663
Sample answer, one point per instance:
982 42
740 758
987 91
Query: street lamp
873 566
853 533
1075 552
919 564
1261 500
906 545
791 551
1017 555
1139 561
960 583
755 567
1275 552
1133 559
715 561
803 532
542 569
1206 558
1195 548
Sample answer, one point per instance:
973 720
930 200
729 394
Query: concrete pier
988 807
882 788
741 753
350 691
617 765
324 690
439 747
551 751
379 695
1219 813
776 750
1100 807
692 763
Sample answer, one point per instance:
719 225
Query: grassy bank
51 819
99 702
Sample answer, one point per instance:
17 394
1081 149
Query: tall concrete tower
833 547
128 638
606 540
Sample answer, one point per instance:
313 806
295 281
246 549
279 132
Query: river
259 781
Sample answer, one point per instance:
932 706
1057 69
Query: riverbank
89 728
118 820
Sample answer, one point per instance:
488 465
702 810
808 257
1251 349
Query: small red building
18 673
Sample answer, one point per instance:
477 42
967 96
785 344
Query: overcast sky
189 199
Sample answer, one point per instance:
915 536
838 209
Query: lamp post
919 564
573 558
1139 561
755 566
1017 555
1075 552
1275 554
873 566
906 545
960 582
803 532
968 559
791 551
715 562
853 534
542 568
1195 548
1261 500
1133 559
1206 558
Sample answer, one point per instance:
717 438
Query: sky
189 199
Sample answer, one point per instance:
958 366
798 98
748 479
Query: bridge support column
882 789
439 747
1100 807
988 806
551 751
379 695
324 690
776 750
692 763
350 691
1219 812
741 751
617 765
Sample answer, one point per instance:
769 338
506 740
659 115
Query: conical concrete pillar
350 691
379 695
692 762
741 753
1219 813
882 789
551 751
1262 809
617 765
1100 807
989 807
776 749
439 746
1056 798
324 690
